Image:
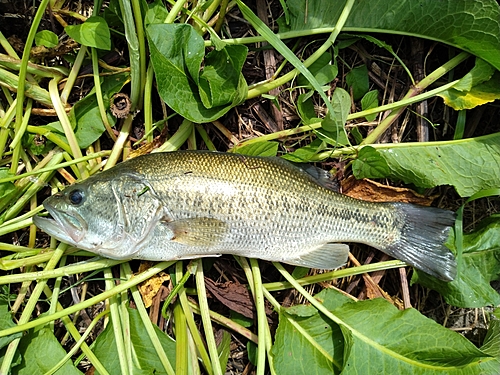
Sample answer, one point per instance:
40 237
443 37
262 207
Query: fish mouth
66 227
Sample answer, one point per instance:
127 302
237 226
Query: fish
190 204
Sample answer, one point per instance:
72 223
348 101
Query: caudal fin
422 240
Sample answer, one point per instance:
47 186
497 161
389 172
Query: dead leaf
151 287
372 191
235 296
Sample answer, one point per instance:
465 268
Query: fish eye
76 197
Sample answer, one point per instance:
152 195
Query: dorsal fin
320 176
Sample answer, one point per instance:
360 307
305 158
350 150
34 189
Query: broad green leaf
35 348
6 322
305 109
470 165
177 53
479 94
477 87
94 32
306 153
106 352
86 118
219 82
156 13
369 101
386 340
481 72
334 122
358 80
370 162
316 340
471 25
6 188
480 266
264 148
322 69
491 343
342 104
374 337
46 38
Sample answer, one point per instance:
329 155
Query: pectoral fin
328 257
200 231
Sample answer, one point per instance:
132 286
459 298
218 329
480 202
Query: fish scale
188 204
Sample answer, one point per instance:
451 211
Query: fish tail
421 244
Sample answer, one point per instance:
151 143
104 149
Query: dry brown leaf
152 286
375 192
235 296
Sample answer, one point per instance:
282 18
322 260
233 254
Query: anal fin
328 257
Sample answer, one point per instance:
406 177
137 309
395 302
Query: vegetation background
403 92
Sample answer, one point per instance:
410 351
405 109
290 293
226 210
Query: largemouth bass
189 204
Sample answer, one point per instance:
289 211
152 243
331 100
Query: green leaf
219 82
306 153
305 108
264 148
6 188
302 311
94 32
356 134
370 162
46 38
300 272
106 352
252 352
358 80
240 319
479 94
86 118
491 343
316 340
471 25
334 122
34 348
369 101
374 337
156 13
481 72
470 165
36 145
322 69
177 53
224 349
480 266
6 322
476 88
